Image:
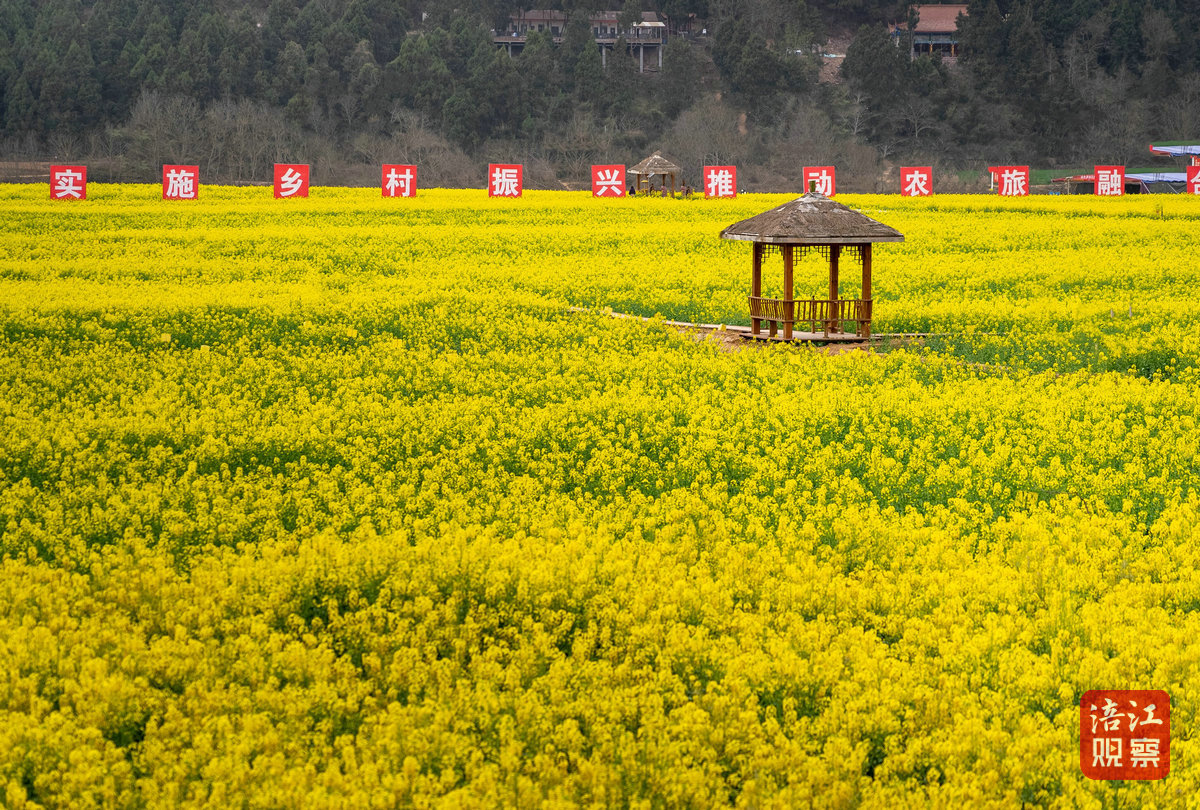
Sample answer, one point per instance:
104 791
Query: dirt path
732 338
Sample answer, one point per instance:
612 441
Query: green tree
541 83
364 75
679 87
82 109
631 15
753 70
418 77
290 70
577 41
20 107
589 75
463 120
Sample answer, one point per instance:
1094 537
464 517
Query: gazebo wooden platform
655 166
808 224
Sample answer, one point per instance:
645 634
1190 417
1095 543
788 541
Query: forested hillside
346 84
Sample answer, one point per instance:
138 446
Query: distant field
314 502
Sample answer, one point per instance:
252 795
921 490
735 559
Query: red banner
1011 181
916 181
1125 734
291 180
608 180
825 178
505 179
1193 179
68 182
1110 181
399 180
720 181
181 182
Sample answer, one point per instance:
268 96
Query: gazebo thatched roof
813 219
656 164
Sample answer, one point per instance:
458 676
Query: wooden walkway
738 334
744 331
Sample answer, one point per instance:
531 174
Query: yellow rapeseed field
337 503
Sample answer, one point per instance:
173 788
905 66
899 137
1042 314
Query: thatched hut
812 223
655 166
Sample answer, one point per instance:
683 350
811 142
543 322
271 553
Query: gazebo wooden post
789 305
756 285
866 289
833 324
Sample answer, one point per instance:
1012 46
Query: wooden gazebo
655 166
812 223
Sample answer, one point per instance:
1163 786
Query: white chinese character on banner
609 180
1012 183
397 181
67 184
504 182
1144 752
290 182
720 183
824 182
1108 183
181 183
917 184
1106 752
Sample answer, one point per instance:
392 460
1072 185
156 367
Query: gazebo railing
838 316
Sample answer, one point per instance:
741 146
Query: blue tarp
1158 177
1176 151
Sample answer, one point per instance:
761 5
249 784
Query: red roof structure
936 32
935 19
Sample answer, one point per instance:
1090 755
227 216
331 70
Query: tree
290 69
754 70
462 119
20 107
589 76
577 41
364 75
82 109
879 73
320 80
631 15
419 77
621 79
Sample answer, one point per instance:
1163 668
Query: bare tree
706 133
1180 113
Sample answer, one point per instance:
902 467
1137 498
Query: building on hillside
936 31
645 40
